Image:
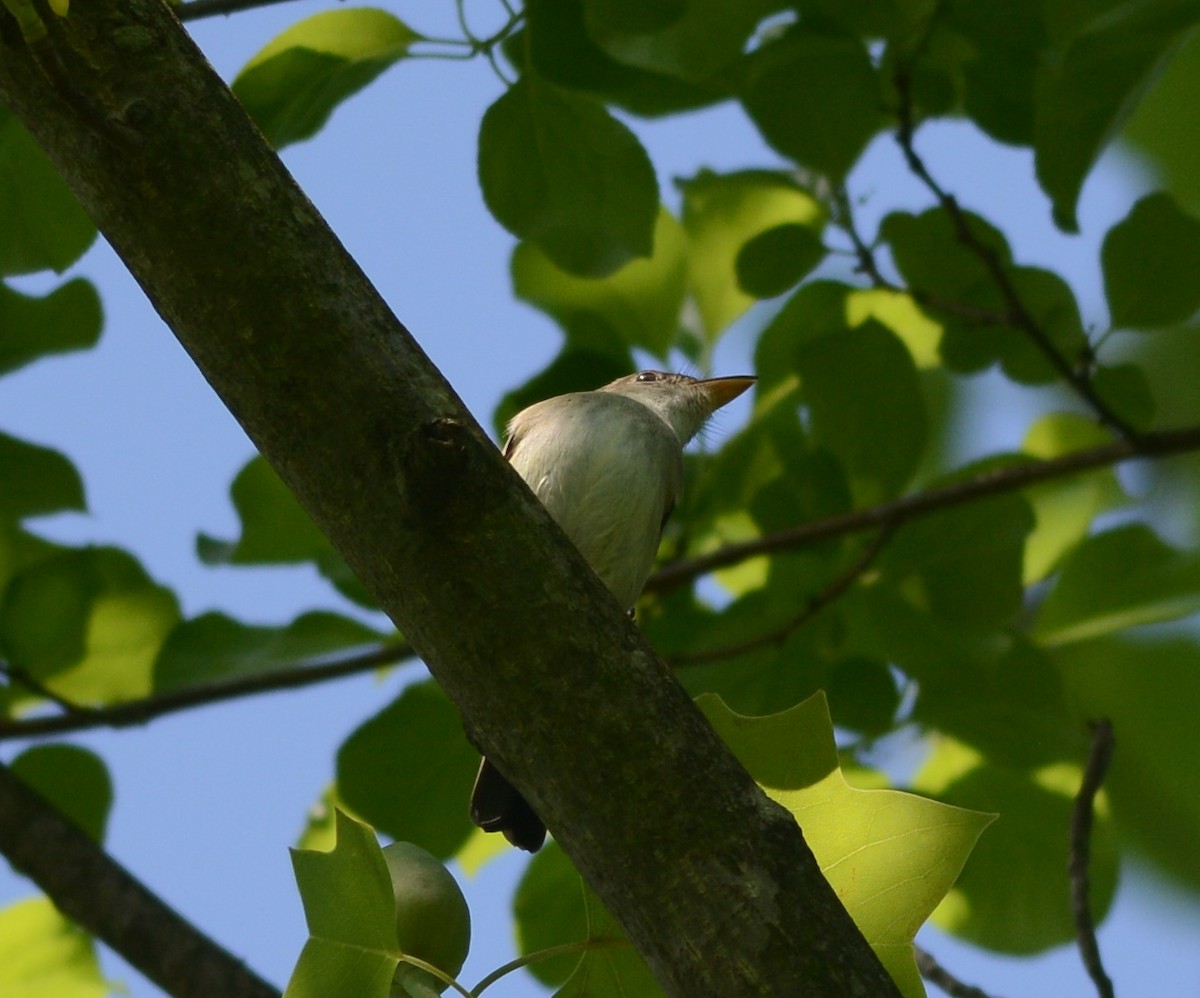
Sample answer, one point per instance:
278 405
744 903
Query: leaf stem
1099 757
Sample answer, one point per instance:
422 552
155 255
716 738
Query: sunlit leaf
293 84
890 856
351 915
42 955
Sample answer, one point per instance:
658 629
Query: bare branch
197 9
140 711
1099 757
938 975
990 483
1078 378
95 892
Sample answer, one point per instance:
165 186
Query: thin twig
140 711
1078 379
816 603
1099 756
990 483
938 975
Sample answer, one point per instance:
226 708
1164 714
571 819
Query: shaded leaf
291 87
1124 577
42 955
721 213
351 915
69 318
641 302
74 781
816 98
557 169
408 770
549 911
1152 264
1013 894
612 969
1087 92
214 647
42 226
890 856
775 260
37 480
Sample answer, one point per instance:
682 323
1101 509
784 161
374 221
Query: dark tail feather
497 806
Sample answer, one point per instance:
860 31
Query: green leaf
610 965
69 318
557 169
723 212
41 224
277 531
213 648
74 780
1063 510
890 856
863 696
291 87
42 955
1125 389
1149 690
351 914
37 480
964 564
931 257
1124 577
1152 264
1085 94
561 49
695 44
409 769
641 302
548 910
1013 895
865 405
816 98
89 621
777 259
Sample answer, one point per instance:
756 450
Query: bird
608 466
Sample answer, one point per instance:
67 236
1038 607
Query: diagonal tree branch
1160 443
94 891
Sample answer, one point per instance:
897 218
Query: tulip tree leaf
775 260
69 318
73 780
641 302
721 214
557 169
1152 264
214 647
42 226
43 955
36 480
549 911
1020 865
1121 578
816 98
291 87
890 856
277 531
1085 94
405 770
351 914
90 622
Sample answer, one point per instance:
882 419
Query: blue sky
207 802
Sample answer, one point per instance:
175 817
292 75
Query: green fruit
433 922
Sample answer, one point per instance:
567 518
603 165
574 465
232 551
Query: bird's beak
719 391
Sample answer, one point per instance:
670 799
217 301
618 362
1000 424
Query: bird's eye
648 376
